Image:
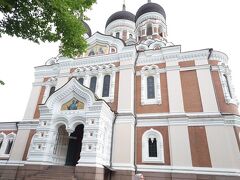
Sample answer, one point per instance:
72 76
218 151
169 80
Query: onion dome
150 7
126 15
89 32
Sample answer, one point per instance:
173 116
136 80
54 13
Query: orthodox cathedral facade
132 103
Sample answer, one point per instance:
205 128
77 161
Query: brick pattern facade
191 93
199 146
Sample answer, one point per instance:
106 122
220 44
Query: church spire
124 6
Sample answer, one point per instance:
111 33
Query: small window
106 86
52 90
1 142
91 53
118 35
152 147
81 80
228 85
149 30
150 88
130 36
93 84
9 147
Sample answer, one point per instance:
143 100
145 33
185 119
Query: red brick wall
199 146
40 98
114 104
191 93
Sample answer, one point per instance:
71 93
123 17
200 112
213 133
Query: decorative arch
73 89
156 138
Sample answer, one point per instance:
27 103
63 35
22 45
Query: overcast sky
197 24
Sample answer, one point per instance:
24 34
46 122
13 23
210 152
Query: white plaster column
174 87
86 81
46 93
126 88
63 78
123 143
223 147
99 85
112 86
180 146
207 92
20 141
33 100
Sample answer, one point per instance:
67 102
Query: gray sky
193 24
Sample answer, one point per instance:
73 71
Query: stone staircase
54 173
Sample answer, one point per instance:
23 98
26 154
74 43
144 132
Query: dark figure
73 106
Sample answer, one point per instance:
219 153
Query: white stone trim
188 120
123 166
189 170
145 149
224 70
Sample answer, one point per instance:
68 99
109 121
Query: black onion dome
89 32
150 7
121 15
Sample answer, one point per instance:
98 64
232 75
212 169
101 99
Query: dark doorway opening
75 146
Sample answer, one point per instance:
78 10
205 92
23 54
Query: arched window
106 86
9 146
152 147
2 136
52 90
228 86
118 35
149 30
150 87
81 80
9 143
93 83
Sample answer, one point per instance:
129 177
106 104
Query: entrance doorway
74 146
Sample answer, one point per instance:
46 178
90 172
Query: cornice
173 53
8 126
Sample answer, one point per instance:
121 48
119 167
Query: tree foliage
1 82
47 20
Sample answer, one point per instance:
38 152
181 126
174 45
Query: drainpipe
135 116
113 123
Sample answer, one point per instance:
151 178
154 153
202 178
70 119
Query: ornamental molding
105 39
8 126
170 54
68 91
120 23
150 15
188 170
201 120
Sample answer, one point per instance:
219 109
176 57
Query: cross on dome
124 5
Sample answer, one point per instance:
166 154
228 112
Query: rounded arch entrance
67 146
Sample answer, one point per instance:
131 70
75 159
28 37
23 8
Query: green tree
47 20
1 82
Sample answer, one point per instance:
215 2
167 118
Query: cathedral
132 104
